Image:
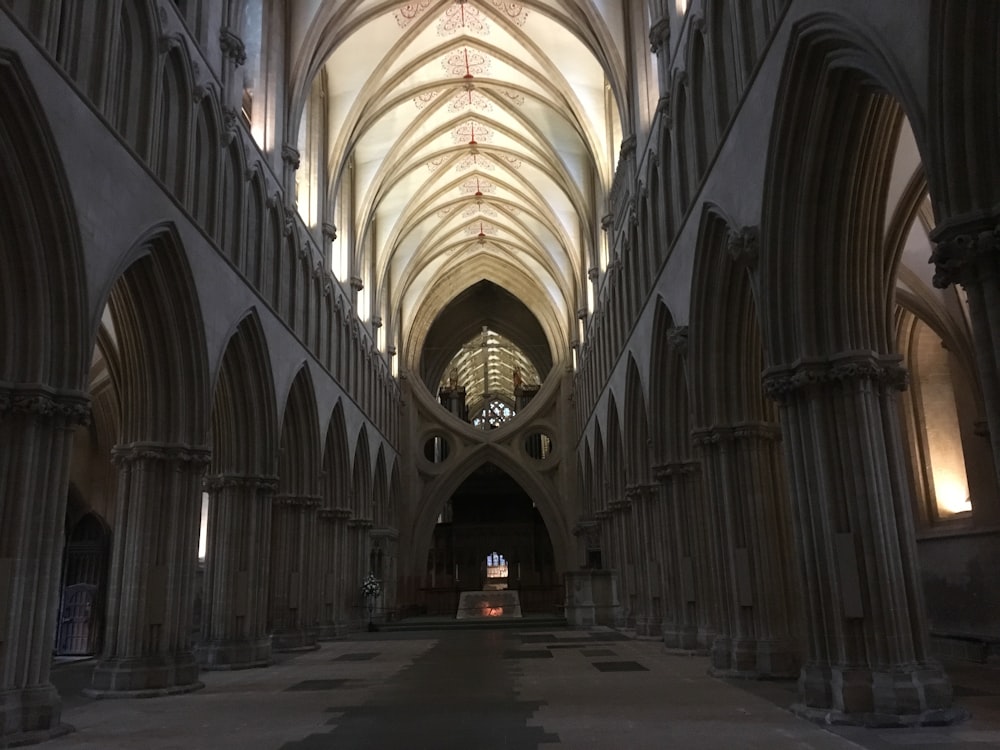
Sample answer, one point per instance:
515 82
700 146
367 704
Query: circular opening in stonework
538 445
436 449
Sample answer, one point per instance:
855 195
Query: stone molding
329 231
673 469
603 514
385 532
659 35
622 505
677 338
783 381
731 433
217 482
956 259
290 155
743 246
360 523
232 46
181 454
298 501
71 406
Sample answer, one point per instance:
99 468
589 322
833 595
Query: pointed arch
637 447
244 418
173 119
206 160
444 486
132 74
337 462
43 328
299 457
838 296
361 482
380 514
724 328
161 373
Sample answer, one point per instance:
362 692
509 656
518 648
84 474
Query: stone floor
488 689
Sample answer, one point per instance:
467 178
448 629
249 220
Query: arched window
496 565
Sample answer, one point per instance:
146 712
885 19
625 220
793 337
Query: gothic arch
337 462
361 482
835 144
43 334
244 422
444 486
637 445
161 371
299 456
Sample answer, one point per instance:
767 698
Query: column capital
672 469
959 248
783 381
232 46
733 432
179 454
216 482
743 246
659 36
298 501
290 155
73 407
677 337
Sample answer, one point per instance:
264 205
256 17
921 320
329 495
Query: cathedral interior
681 317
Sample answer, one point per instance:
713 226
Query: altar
488 605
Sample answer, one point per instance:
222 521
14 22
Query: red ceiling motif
514 11
436 163
466 62
470 99
514 97
422 100
477 209
472 132
475 160
408 12
477 186
481 228
512 161
462 17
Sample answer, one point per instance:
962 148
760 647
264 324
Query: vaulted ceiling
469 141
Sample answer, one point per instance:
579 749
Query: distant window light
493 415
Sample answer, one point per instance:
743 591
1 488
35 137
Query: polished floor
512 688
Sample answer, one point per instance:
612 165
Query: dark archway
490 512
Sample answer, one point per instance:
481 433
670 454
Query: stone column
147 646
680 523
647 550
745 486
867 660
36 435
969 254
326 577
342 611
621 520
293 596
235 632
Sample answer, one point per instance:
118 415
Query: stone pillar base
901 698
294 640
218 655
145 677
648 627
327 632
30 715
683 638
